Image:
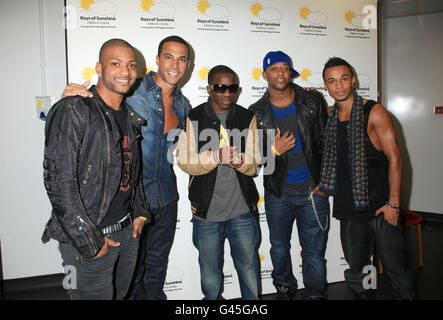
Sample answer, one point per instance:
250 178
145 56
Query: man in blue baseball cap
297 119
273 57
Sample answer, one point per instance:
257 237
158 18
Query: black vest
201 187
378 180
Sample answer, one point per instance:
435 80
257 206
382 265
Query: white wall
412 69
24 204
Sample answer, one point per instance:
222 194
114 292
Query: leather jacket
311 112
82 170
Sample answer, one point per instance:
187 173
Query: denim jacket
159 180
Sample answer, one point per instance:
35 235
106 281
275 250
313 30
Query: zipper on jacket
108 161
132 172
83 223
86 174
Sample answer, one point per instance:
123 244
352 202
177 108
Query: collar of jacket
299 94
300 97
134 117
209 110
151 84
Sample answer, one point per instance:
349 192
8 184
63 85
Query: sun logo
262 257
88 73
304 12
203 73
86 3
349 15
146 4
305 74
202 6
256 8
260 201
39 103
149 69
256 74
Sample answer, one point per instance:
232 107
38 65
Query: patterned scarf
357 157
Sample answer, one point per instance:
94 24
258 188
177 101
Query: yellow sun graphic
260 200
256 8
203 5
86 3
304 12
88 73
39 103
305 73
146 4
149 69
349 15
256 73
262 257
203 73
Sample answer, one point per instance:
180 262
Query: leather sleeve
323 117
64 133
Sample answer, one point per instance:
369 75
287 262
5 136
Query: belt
123 223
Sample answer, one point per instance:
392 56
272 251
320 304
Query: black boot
284 292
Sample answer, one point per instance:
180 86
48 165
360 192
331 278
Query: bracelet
275 151
391 206
144 218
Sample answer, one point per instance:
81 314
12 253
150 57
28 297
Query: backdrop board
237 33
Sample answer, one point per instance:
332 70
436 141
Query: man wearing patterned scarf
361 167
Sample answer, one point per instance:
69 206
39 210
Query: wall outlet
42 104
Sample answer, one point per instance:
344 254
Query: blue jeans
107 277
281 213
155 246
243 237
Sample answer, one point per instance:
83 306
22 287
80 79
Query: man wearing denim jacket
158 100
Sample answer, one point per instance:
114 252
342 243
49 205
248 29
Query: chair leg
420 246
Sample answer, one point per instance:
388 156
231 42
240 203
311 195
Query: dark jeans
281 214
104 278
209 239
358 237
155 246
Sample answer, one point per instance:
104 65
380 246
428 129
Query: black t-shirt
120 204
343 200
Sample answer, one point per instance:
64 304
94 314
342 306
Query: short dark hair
112 43
337 62
221 69
172 39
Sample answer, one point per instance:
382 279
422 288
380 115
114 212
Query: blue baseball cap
275 57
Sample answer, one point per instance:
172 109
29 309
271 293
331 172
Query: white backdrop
237 33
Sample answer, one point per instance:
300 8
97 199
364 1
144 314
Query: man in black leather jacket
92 177
295 120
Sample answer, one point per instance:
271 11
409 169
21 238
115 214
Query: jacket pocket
87 244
